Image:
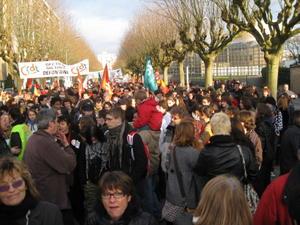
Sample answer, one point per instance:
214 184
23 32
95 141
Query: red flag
29 83
105 82
80 84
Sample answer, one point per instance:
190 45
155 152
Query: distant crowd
227 154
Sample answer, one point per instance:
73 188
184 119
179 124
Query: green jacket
24 133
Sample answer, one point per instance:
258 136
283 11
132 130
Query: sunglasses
15 184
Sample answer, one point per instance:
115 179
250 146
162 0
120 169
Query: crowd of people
197 156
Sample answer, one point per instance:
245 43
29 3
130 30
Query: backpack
130 137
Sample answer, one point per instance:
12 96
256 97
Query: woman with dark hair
246 103
31 119
247 120
266 132
287 110
118 204
182 189
76 190
92 160
239 136
19 199
4 126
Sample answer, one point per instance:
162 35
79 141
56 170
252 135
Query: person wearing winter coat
4 127
266 132
118 204
279 203
51 161
182 187
19 199
222 156
148 117
290 144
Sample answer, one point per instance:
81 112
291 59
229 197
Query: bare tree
148 35
177 13
201 29
270 28
293 46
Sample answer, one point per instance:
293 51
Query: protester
20 133
19 199
101 139
118 203
266 132
222 156
51 160
31 119
290 143
92 160
247 120
148 117
4 126
76 188
223 202
279 203
182 190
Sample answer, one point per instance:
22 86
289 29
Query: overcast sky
102 22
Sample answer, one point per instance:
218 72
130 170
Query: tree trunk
181 73
273 61
166 75
209 62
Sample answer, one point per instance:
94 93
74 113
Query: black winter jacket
221 156
290 145
133 215
137 168
44 213
4 148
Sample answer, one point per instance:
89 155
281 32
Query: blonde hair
220 124
283 102
223 202
248 118
10 165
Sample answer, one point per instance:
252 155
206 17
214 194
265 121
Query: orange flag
36 91
164 87
105 82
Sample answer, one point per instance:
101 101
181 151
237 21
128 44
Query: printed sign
52 69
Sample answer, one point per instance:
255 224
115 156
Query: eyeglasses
15 184
116 195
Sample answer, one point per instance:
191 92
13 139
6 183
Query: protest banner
52 69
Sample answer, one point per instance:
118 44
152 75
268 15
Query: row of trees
169 29
35 31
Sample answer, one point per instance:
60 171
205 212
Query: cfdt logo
26 70
79 68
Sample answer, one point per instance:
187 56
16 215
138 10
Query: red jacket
271 209
148 115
